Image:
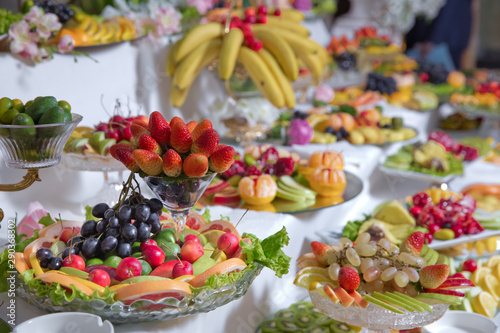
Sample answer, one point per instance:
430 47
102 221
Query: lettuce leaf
206 215
4 268
268 252
46 220
88 214
224 218
21 245
58 294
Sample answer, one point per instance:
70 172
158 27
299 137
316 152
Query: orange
257 190
80 37
328 182
327 159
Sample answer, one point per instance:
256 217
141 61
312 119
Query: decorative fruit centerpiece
487 196
379 285
486 96
344 52
267 45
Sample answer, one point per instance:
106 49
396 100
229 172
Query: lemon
491 285
478 276
213 235
312 269
484 304
185 278
491 244
480 248
493 261
496 271
305 280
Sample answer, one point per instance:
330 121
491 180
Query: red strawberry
348 279
200 128
146 142
431 277
180 138
206 143
172 163
175 120
148 161
142 119
192 125
413 243
159 127
137 129
222 159
321 252
126 156
116 146
195 165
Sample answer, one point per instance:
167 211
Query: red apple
229 243
445 292
165 269
129 267
74 261
456 283
100 277
110 270
182 268
148 243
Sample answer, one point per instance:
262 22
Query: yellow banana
288 25
170 66
85 22
281 50
127 28
323 54
299 44
261 76
187 70
197 36
111 33
92 28
314 63
178 96
283 82
229 53
293 14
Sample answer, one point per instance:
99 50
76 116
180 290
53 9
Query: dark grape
344 132
152 218
129 233
88 228
101 226
89 248
68 250
115 232
330 130
109 244
44 254
143 232
77 242
125 213
113 222
55 264
44 263
381 83
124 250
155 205
155 227
109 213
346 60
99 209
142 212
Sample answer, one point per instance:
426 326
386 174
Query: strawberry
222 158
195 165
200 128
206 143
431 277
148 161
116 146
146 142
413 243
180 138
137 128
159 127
175 120
192 125
284 166
348 279
321 252
126 156
172 163
143 120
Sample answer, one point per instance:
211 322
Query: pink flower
201 5
46 25
35 13
42 55
23 41
167 21
29 223
324 94
66 44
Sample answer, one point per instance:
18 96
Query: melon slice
20 264
153 290
227 266
65 281
54 230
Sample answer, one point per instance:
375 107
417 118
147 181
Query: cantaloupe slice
54 230
65 281
152 290
20 264
227 266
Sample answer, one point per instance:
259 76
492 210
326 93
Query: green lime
167 234
5 104
136 247
64 105
94 261
7 117
20 108
28 103
169 248
146 268
112 261
17 101
23 119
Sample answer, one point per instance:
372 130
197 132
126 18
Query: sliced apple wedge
343 296
331 294
431 298
424 305
391 299
445 292
358 299
382 304
456 283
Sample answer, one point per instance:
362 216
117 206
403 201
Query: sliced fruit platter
440 158
125 264
377 284
359 126
276 180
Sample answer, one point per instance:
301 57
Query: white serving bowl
462 322
65 322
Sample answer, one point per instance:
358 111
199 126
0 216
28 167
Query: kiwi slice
304 319
269 326
338 327
287 325
316 313
289 314
318 329
324 321
301 306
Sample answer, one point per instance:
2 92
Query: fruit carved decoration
267 45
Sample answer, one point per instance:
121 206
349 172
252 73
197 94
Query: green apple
210 247
424 250
94 261
411 303
218 256
391 300
441 260
104 145
433 259
78 145
283 205
426 306
142 278
146 268
431 298
112 261
167 234
202 264
382 304
74 272
57 248
284 194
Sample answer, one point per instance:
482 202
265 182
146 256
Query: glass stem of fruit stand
31 177
180 218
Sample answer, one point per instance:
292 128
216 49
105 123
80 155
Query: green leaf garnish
46 220
88 214
206 215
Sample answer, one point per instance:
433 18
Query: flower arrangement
30 37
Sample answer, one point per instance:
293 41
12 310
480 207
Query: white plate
462 322
65 322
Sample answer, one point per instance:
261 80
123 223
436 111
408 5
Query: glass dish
35 146
147 310
91 162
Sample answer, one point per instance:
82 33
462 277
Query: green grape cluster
6 19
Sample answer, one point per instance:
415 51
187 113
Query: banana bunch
283 44
90 31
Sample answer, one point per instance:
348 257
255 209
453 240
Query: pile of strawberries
174 148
